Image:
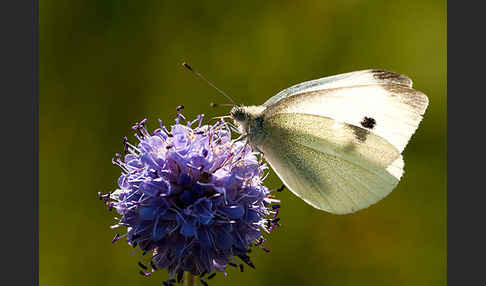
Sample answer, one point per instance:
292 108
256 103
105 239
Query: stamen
142 265
211 276
117 236
152 264
276 213
167 131
179 276
200 117
146 274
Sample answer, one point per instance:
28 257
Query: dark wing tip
412 97
391 77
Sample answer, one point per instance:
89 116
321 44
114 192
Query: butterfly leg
240 138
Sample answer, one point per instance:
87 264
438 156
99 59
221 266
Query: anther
179 276
281 188
211 276
153 265
142 265
117 236
144 273
180 107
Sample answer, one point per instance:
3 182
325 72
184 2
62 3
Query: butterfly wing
364 77
325 163
336 142
395 110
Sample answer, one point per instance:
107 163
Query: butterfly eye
239 114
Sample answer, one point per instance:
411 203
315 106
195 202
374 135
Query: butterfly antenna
209 83
212 104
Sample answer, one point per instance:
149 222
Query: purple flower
192 197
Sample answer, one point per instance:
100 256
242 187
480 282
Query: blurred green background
106 64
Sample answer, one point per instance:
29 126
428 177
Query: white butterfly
336 142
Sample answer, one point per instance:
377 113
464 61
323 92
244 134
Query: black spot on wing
368 122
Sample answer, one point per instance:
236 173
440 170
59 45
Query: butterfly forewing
394 110
356 78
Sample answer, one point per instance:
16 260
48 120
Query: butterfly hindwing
329 167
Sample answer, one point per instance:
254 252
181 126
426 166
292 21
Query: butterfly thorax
249 121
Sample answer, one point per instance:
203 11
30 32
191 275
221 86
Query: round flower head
192 197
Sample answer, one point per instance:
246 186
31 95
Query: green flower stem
188 279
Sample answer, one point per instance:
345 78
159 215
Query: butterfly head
246 116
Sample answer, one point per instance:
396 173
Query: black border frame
20 89
466 241
20 113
